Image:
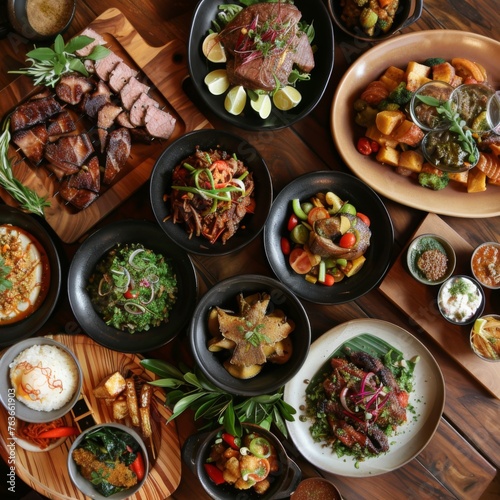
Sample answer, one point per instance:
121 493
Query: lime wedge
213 49
217 81
287 98
262 105
235 100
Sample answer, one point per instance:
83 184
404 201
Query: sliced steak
123 119
139 108
98 40
105 119
88 177
104 66
159 123
94 102
32 142
131 91
120 75
71 88
33 112
61 123
303 55
68 153
117 153
79 198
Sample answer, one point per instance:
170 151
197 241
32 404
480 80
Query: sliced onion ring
129 307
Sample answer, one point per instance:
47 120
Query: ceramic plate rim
407 444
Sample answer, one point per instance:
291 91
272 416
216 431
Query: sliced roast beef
88 177
139 108
79 198
32 142
303 55
61 123
105 119
98 40
131 91
72 87
120 76
68 153
104 66
33 112
123 119
117 153
93 102
159 123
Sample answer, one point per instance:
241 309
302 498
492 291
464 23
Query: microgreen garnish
190 389
5 284
457 125
49 64
253 334
26 197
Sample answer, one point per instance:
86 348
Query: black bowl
196 450
312 90
378 255
408 12
224 294
185 146
93 249
11 333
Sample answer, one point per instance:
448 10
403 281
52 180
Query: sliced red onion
129 307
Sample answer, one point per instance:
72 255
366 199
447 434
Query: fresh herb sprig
457 125
190 389
49 64
5 284
26 197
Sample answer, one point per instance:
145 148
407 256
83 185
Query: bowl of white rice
40 380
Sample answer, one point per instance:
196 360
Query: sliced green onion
297 209
322 272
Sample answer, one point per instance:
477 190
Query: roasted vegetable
433 181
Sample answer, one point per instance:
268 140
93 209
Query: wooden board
47 473
418 301
165 69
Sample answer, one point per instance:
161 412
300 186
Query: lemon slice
262 105
217 81
286 98
235 100
213 49
479 324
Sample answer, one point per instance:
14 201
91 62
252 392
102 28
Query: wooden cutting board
418 301
165 69
47 473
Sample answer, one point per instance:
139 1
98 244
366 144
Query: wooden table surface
462 459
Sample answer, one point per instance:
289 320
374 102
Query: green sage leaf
59 44
77 43
41 54
77 65
99 52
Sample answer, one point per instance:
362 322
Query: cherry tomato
317 213
364 218
364 146
375 146
329 280
262 470
348 240
131 294
299 261
285 246
292 222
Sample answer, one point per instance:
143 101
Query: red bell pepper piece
137 466
214 473
232 441
58 432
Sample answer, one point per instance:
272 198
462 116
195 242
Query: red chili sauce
486 265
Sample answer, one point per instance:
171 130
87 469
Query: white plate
427 398
398 51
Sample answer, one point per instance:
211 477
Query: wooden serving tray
165 68
46 472
418 301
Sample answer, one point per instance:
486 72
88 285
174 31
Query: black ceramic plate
313 11
9 334
93 249
224 294
161 183
365 200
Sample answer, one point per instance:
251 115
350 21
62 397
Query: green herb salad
133 288
360 398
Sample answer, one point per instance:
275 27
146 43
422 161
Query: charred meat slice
33 112
104 67
139 108
105 119
123 119
79 198
32 142
93 102
120 76
60 124
98 40
117 153
68 153
159 123
131 91
71 88
88 177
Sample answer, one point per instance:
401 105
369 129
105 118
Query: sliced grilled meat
68 153
104 67
131 91
79 198
123 119
105 119
93 102
88 177
139 108
120 76
33 112
159 123
98 40
72 87
117 153
60 124
139 134
32 142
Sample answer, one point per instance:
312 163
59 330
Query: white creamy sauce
461 306
26 272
